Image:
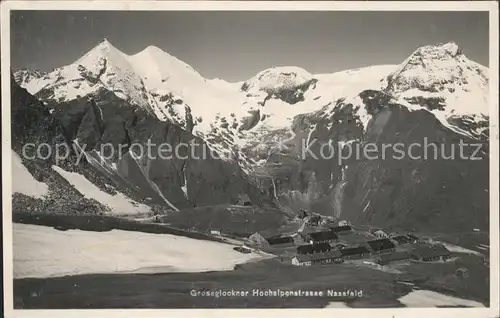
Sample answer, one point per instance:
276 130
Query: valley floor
174 290
154 270
41 251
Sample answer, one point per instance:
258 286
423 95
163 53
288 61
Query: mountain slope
377 191
261 127
32 122
187 181
444 81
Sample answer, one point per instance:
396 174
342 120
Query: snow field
118 203
41 251
24 182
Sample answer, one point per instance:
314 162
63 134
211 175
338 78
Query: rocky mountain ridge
261 126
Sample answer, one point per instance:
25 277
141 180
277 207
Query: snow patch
442 75
41 251
276 78
336 304
150 77
23 181
118 203
459 249
153 185
427 298
185 185
366 206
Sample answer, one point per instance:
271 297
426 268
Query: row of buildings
323 247
422 253
329 235
321 250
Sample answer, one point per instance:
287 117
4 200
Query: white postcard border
491 6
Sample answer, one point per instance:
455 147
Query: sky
237 45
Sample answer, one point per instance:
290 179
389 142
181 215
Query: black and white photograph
169 156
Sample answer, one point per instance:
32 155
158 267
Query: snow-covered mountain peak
108 67
278 78
441 78
159 69
225 85
156 53
103 49
25 76
434 65
438 78
439 51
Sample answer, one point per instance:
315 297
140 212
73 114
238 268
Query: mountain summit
436 78
439 78
444 74
160 69
260 127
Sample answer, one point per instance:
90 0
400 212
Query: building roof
340 245
430 251
279 240
357 250
341 228
313 248
256 237
332 254
322 236
401 239
244 197
391 257
242 249
411 236
381 244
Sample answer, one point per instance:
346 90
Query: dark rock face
89 76
418 193
26 75
107 126
32 122
227 219
430 103
286 85
478 126
295 95
250 121
309 162
209 180
304 173
30 119
383 190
